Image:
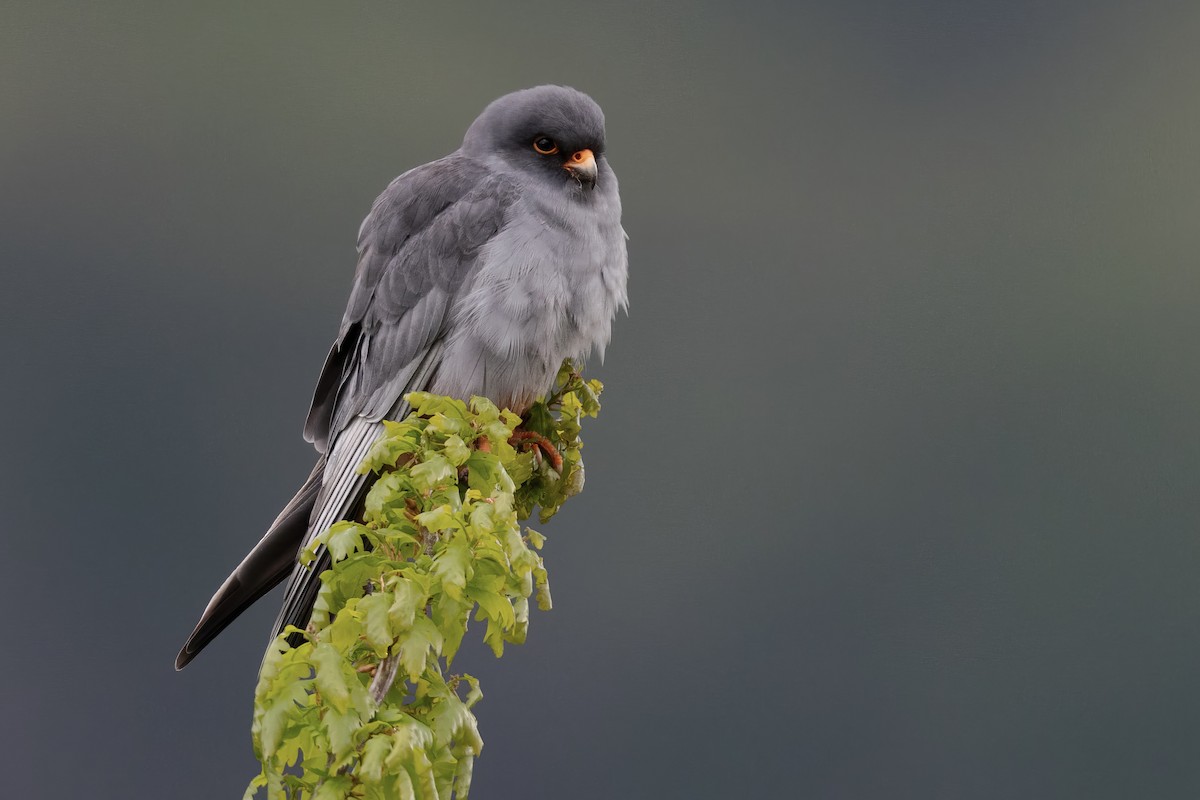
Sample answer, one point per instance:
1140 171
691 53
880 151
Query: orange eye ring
545 145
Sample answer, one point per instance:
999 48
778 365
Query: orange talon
537 441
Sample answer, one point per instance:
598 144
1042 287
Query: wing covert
416 247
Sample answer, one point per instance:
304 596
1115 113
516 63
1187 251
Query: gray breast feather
547 288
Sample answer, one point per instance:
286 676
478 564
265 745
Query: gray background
895 490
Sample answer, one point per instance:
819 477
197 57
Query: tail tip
186 654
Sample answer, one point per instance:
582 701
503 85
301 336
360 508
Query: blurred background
896 488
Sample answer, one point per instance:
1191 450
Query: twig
385 675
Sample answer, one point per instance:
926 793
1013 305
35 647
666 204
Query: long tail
271 560
344 488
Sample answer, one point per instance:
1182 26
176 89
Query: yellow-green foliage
440 543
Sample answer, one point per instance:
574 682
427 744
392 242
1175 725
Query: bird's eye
545 146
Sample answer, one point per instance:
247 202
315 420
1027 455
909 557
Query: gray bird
477 274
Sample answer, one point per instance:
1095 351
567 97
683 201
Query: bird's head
554 134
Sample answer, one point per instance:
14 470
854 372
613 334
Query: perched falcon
477 274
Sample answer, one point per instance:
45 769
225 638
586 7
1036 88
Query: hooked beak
582 166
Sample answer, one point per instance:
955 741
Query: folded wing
417 248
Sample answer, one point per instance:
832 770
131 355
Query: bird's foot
536 442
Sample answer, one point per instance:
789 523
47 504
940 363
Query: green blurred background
895 492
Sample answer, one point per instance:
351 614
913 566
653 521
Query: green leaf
455 723
451 566
520 627
450 425
463 775
485 410
493 607
493 637
541 582
428 405
498 434
341 726
400 440
519 470
337 787
423 637
439 519
258 782
422 770
330 678
344 538
343 633
278 708
432 472
376 624
385 501
589 397
539 420
450 617
404 786
409 737
456 449
405 581
474 695
375 751
483 470
409 597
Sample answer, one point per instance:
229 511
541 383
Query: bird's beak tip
582 166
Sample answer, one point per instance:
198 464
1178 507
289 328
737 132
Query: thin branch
385 676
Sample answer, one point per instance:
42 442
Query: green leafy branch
365 706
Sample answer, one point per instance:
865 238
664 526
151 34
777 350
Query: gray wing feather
417 248
341 496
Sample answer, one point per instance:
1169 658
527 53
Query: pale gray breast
547 288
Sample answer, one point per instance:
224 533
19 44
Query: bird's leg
529 440
535 441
